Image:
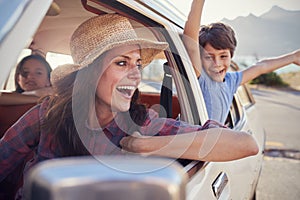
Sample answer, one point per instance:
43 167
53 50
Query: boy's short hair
219 36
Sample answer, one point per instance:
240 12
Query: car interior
53 37
158 88
165 85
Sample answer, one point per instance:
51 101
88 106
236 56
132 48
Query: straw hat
102 33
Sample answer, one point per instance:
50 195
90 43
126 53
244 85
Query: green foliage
269 79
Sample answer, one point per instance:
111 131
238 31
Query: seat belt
166 93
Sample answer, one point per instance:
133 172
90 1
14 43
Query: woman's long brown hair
68 109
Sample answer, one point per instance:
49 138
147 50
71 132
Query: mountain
273 33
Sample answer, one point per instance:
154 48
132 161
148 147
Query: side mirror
111 177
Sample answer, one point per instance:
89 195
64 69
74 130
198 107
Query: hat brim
149 49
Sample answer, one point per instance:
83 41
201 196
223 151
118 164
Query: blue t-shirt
218 95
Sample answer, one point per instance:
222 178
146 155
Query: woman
94 109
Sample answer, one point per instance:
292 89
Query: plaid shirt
27 136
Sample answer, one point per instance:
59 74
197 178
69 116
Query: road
280 115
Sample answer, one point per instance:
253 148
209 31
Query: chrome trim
219 184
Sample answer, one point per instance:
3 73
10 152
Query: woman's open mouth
126 90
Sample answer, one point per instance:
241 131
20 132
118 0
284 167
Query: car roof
47 25
59 26
51 33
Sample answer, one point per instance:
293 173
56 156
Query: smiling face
216 62
120 79
34 76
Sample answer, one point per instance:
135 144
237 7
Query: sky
215 10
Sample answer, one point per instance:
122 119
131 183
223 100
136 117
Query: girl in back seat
32 78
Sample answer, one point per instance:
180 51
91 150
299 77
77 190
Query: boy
217 45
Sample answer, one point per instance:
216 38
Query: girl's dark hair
20 69
68 109
219 36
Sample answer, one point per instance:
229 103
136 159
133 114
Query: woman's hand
132 143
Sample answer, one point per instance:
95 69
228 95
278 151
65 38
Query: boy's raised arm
191 33
269 65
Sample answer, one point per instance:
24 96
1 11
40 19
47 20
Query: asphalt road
280 115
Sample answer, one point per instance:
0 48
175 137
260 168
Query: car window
242 101
152 76
245 96
56 59
154 88
234 114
